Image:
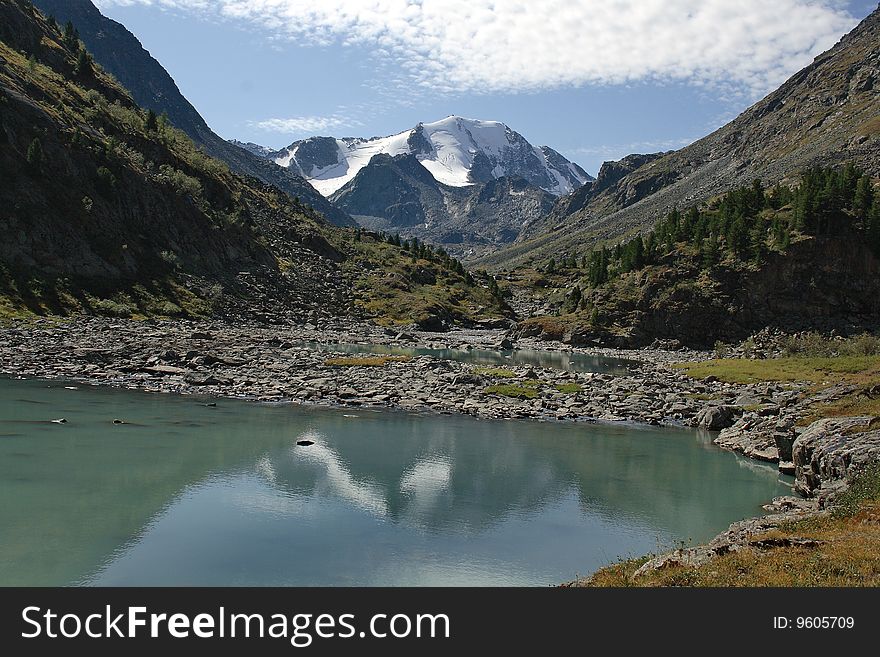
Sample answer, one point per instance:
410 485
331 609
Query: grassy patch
855 404
515 390
495 372
368 361
845 552
569 388
855 369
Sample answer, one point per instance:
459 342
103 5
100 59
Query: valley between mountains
734 282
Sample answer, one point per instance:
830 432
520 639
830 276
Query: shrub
184 185
35 155
106 181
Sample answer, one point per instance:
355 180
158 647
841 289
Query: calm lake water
192 495
570 362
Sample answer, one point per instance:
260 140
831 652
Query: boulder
716 418
757 437
505 344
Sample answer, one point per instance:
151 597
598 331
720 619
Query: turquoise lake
187 494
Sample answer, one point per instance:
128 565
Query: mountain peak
457 151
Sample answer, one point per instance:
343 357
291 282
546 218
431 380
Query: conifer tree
151 123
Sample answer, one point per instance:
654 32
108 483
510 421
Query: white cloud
616 151
305 124
524 45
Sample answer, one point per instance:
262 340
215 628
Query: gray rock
832 450
718 417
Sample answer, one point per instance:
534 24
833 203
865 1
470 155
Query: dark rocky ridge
120 53
399 195
824 115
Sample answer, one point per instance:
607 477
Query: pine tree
83 65
151 123
638 256
71 36
573 300
863 198
874 226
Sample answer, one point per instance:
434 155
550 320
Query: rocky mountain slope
120 53
399 195
827 113
107 209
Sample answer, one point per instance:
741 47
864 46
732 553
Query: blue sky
593 79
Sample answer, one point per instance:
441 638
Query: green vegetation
816 345
743 226
495 372
413 283
842 549
525 390
35 156
813 359
365 361
813 369
569 388
186 217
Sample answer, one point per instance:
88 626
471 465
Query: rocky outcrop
757 437
747 535
819 284
832 450
827 456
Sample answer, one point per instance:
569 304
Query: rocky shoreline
273 364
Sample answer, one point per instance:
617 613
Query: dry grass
843 549
365 361
857 404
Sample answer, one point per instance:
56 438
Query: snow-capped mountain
457 152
